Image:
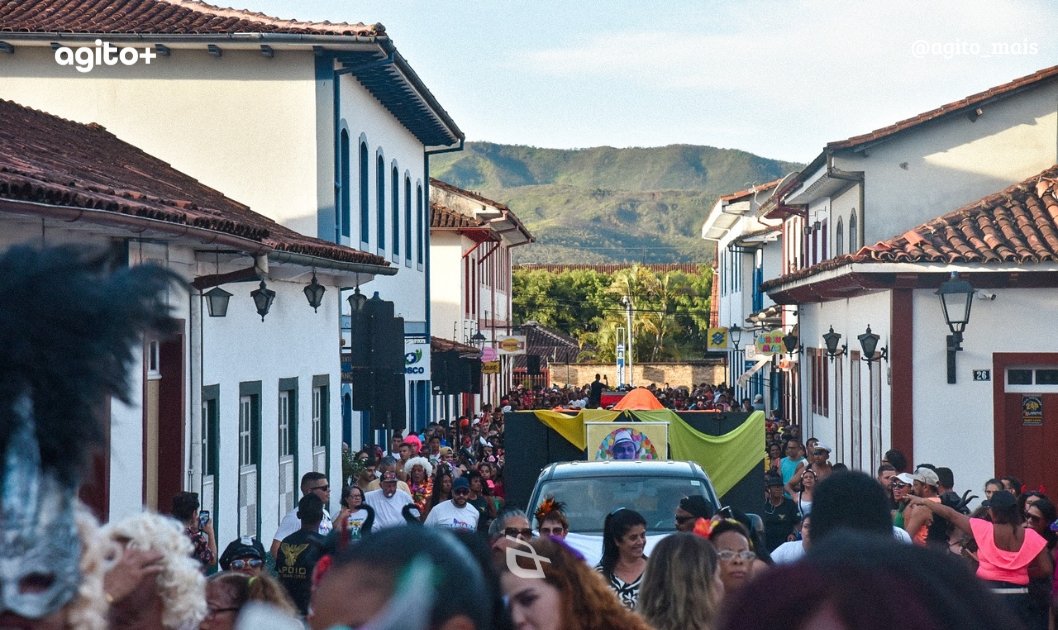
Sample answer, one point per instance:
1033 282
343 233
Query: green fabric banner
726 458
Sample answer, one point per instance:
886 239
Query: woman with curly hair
570 597
681 586
420 481
228 591
176 597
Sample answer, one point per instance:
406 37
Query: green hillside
604 204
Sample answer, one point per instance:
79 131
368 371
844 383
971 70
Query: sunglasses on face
325 488
248 563
1033 517
683 519
514 532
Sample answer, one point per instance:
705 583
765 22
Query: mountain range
604 204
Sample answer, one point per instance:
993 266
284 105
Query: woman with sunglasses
550 519
1039 513
356 518
623 560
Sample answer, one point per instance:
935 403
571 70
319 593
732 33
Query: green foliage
670 311
604 204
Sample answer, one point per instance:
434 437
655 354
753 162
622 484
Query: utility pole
627 301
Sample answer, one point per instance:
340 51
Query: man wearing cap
924 484
455 513
780 514
245 554
817 461
690 510
624 447
387 464
388 502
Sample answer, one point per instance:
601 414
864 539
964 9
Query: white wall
938 167
954 424
240 348
242 123
362 115
446 284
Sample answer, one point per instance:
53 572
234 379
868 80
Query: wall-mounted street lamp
956 298
478 340
262 299
790 342
357 300
869 344
314 293
217 302
832 339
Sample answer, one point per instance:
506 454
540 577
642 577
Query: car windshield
589 499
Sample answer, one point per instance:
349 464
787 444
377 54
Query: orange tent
639 399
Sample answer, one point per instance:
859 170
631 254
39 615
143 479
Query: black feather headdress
69 332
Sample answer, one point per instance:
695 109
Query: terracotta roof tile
998 91
49 160
167 17
446 218
1018 225
751 191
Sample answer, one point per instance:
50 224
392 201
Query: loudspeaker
532 364
389 410
475 376
363 386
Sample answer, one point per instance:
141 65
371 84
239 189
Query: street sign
490 367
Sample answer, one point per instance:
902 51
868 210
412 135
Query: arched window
380 200
345 170
854 243
420 225
839 238
407 220
365 212
394 182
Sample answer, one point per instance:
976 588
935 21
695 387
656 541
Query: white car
591 490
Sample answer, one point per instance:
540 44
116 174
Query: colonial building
323 128
964 188
471 243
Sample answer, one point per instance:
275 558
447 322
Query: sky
776 78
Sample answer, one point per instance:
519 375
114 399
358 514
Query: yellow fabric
726 458
572 427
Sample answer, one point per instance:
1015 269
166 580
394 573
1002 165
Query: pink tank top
1001 565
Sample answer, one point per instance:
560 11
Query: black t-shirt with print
298 554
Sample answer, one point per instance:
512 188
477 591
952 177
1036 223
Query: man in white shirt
387 502
311 482
455 513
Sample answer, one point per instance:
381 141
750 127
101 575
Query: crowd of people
701 397
424 541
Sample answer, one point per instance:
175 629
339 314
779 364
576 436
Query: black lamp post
869 344
832 339
314 293
217 302
790 341
956 297
478 340
736 335
262 299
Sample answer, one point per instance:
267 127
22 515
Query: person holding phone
198 527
